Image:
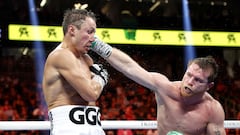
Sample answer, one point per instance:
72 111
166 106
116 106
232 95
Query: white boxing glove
100 74
101 48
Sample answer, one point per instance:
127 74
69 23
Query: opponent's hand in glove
100 74
101 48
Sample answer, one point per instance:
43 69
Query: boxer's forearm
122 61
130 68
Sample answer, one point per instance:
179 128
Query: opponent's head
199 76
76 17
79 28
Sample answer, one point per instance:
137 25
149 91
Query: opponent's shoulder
215 109
176 83
163 84
159 77
217 105
159 80
211 100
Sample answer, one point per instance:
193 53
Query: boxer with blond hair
183 107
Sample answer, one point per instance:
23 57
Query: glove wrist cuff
101 48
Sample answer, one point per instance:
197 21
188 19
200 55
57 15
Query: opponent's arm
216 123
215 129
125 64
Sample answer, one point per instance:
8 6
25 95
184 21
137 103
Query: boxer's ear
210 85
71 30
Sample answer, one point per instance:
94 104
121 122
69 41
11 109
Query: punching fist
101 48
100 74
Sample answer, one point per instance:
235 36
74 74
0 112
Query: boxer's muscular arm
67 66
216 122
125 64
90 62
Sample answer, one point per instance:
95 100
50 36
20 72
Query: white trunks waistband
76 115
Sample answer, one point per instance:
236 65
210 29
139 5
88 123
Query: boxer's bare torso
57 90
178 115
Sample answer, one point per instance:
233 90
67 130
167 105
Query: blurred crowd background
21 97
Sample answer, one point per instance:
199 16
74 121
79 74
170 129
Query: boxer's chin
186 92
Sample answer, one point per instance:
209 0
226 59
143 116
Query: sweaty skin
183 106
67 78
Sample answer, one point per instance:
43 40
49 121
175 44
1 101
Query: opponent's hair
76 17
207 63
